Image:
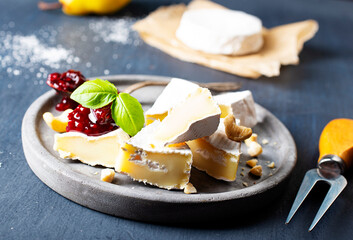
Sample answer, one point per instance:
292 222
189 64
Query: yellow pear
82 7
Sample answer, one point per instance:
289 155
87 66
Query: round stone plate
215 200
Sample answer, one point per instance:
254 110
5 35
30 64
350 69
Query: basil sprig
126 110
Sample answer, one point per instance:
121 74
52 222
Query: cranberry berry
93 122
65 83
66 103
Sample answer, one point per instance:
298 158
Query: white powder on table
115 30
39 53
28 52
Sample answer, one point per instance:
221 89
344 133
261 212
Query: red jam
92 122
66 103
65 83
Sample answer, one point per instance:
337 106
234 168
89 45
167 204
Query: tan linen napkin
282 44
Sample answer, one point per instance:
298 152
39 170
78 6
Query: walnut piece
257 171
234 132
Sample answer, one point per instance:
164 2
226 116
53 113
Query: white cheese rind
241 104
195 117
175 92
145 140
220 31
220 140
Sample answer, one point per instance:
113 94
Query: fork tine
337 186
310 178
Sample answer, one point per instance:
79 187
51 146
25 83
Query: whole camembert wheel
221 31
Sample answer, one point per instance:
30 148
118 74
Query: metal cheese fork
336 155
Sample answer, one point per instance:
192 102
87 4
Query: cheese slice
197 116
220 31
102 150
217 155
175 92
166 167
240 104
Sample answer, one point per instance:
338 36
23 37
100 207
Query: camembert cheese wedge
166 167
175 92
102 150
217 155
240 104
195 117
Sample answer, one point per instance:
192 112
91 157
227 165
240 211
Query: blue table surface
303 97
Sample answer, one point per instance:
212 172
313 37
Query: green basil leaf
95 93
128 114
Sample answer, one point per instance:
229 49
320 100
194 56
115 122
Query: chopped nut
252 162
254 149
242 174
271 165
107 175
189 188
265 141
252 138
257 171
234 132
245 184
242 169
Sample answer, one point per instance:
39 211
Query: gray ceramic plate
215 199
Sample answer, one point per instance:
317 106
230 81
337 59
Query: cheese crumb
257 171
252 162
107 175
271 165
189 189
265 141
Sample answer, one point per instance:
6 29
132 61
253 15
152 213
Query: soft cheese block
166 167
240 104
220 31
197 116
102 150
175 92
217 155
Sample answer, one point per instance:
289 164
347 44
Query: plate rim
31 117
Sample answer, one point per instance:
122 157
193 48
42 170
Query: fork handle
215 86
337 139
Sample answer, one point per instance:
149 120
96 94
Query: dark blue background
303 97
